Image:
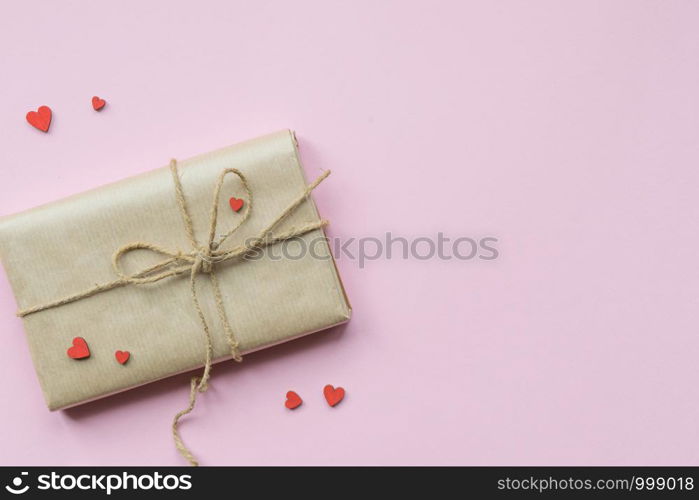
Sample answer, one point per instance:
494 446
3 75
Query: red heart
79 349
236 204
293 400
122 356
332 395
40 118
98 103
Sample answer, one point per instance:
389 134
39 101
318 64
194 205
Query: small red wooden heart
293 400
236 204
98 103
332 395
79 349
122 356
41 118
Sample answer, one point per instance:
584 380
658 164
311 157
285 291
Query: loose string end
318 180
179 444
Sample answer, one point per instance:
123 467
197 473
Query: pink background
566 129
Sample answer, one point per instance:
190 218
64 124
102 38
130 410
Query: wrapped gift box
65 247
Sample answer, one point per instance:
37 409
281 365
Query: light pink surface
566 129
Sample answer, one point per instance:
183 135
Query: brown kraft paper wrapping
66 247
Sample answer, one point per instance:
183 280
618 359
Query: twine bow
201 259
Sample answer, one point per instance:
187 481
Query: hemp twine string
201 259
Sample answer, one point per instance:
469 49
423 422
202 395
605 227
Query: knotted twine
201 259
